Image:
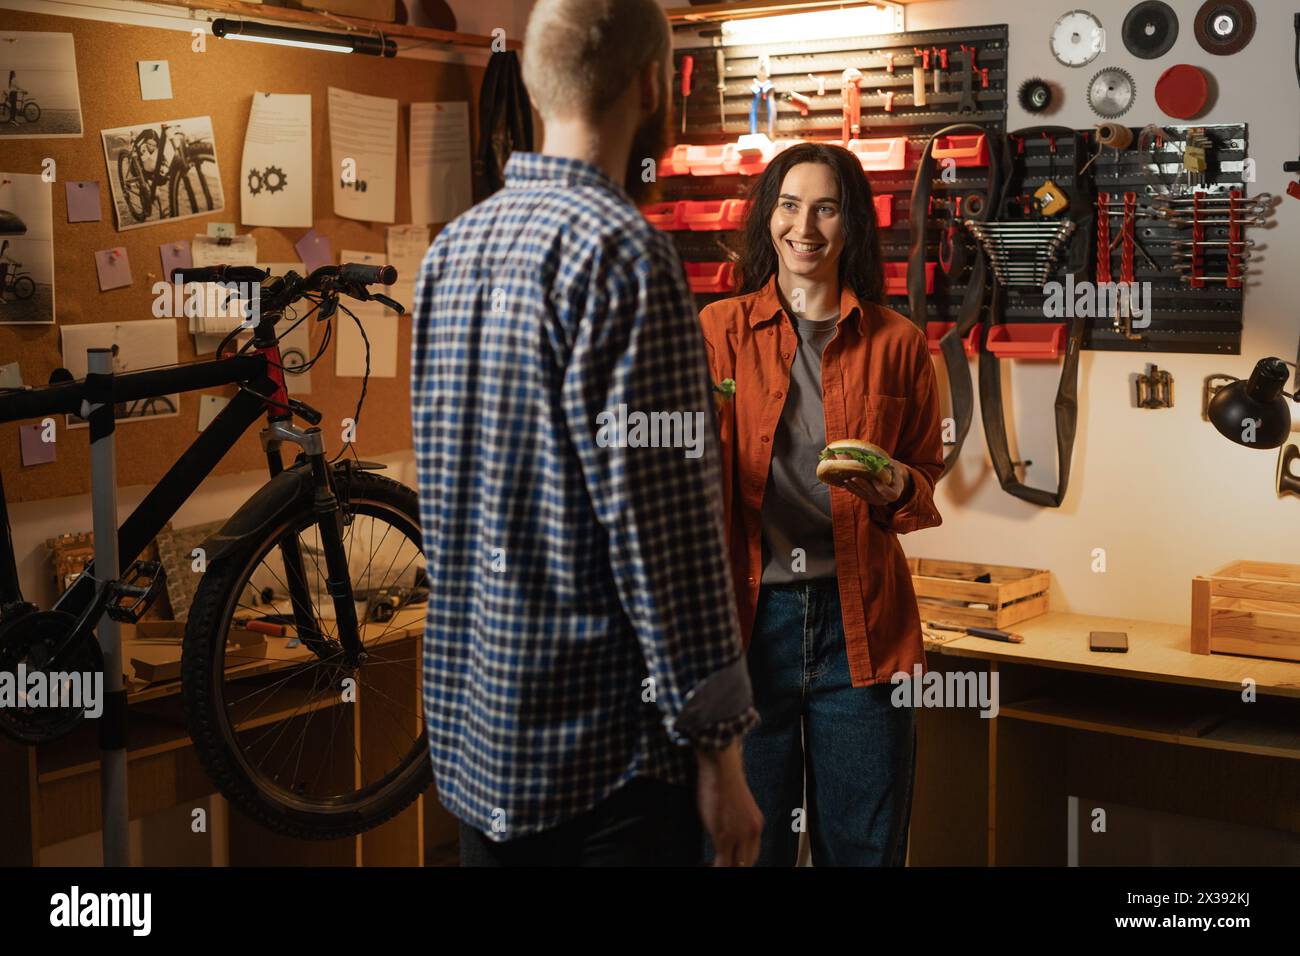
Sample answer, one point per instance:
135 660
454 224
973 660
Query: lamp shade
1254 412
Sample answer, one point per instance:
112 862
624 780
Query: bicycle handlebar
354 272
219 274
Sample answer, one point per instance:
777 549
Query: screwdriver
720 62
688 67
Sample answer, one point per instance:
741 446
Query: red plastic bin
673 162
713 214
896 278
711 276
884 210
668 216
963 150
708 160
880 155
934 331
1027 340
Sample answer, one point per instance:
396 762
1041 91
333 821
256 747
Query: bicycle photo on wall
163 171
39 98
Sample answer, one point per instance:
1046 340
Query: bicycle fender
260 511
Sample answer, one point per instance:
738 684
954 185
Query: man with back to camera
582 636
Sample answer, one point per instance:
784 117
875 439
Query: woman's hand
875 490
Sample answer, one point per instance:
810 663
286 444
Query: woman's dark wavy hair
861 263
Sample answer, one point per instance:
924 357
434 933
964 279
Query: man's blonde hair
580 55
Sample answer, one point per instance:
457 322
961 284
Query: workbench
51 794
1156 733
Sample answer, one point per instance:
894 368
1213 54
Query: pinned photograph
163 171
39 98
26 250
141 344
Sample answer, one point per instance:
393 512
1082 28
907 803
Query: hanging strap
961 392
1067 404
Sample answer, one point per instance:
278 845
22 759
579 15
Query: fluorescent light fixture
255 32
815 25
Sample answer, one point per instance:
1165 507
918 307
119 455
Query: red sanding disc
1182 91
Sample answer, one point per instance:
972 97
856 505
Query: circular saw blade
1111 92
1150 29
1077 38
1224 27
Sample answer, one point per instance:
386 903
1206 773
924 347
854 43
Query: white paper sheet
155 80
210 329
275 177
138 344
363 153
381 329
406 248
209 407
441 187
298 341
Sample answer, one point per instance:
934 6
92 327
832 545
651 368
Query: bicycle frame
264 392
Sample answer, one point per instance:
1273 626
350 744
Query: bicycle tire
131 173
215 603
24 287
197 203
31 112
5 113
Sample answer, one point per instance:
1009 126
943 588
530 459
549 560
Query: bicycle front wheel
301 741
31 112
135 193
24 287
190 191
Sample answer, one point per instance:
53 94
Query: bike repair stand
103 505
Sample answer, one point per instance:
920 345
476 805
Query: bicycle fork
329 519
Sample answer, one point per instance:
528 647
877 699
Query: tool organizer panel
899 126
1183 318
1196 266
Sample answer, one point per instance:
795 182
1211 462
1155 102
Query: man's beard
650 142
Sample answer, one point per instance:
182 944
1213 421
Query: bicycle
27 108
287 567
143 167
20 284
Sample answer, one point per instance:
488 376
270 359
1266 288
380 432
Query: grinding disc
1182 91
1224 27
1150 29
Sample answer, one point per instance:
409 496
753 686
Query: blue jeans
857 750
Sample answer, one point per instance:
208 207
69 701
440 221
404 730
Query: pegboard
218 83
790 66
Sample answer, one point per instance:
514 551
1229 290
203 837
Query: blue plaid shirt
581 628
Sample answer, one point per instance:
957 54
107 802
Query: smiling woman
813 542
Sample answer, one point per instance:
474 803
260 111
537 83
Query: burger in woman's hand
864 469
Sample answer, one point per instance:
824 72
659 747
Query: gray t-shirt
796 506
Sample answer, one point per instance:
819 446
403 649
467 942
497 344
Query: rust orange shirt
878 384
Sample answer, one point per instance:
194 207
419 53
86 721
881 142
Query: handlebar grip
219 274
368 275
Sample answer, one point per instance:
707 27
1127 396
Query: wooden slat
1252 588
1200 616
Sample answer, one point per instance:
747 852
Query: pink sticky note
114 268
175 255
83 201
35 451
314 250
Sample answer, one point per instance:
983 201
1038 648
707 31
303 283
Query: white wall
1159 490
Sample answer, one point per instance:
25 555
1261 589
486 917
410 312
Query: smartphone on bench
1115 642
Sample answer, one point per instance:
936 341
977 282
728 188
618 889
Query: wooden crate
1250 608
947 590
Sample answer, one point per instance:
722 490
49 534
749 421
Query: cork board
218 83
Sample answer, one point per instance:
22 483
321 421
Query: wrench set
1022 253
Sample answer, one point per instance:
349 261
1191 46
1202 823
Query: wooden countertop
1157 652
